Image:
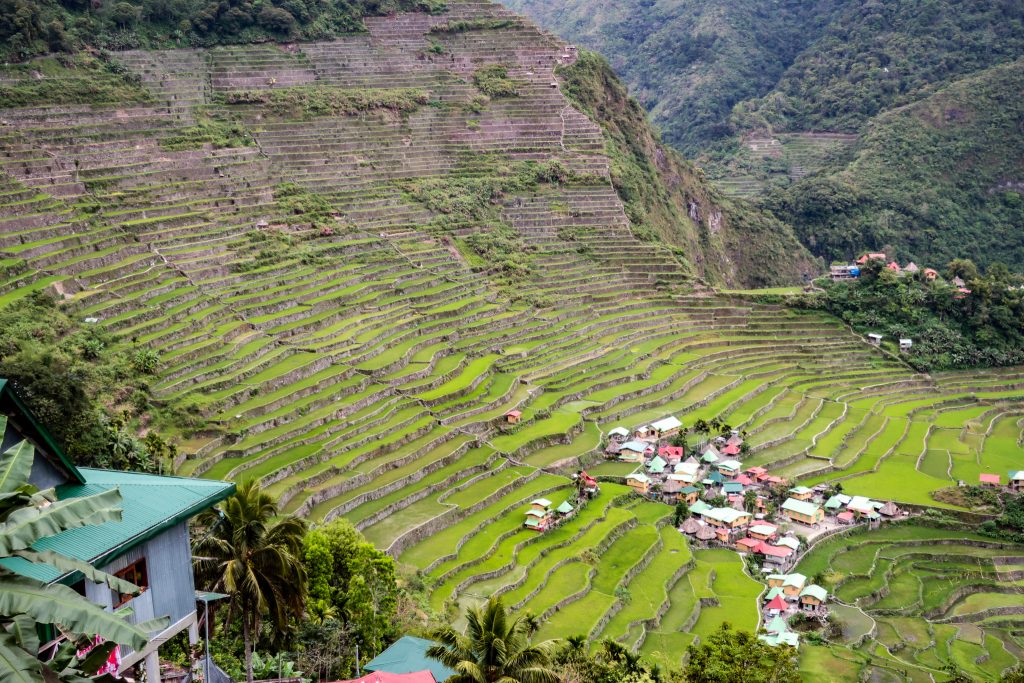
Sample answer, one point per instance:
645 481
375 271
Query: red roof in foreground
988 478
748 542
384 677
844 516
514 413
776 603
731 449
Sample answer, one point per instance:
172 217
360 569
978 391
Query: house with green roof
656 465
784 638
812 597
837 501
802 511
729 518
406 655
801 493
149 546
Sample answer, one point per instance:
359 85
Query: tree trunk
247 639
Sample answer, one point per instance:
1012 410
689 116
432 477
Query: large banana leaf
68 564
23 628
15 465
16 664
27 525
58 604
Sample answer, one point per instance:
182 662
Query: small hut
690 526
706 533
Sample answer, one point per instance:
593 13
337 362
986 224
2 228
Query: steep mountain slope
765 93
664 194
689 62
935 180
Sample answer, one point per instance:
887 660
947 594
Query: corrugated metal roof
406 655
150 504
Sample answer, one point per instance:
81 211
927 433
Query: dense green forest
883 53
32 27
980 324
933 181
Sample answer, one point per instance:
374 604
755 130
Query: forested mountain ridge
935 180
875 55
690 62
760 92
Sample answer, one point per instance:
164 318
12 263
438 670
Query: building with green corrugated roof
149 546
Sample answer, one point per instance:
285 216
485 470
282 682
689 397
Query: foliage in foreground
26 515
82 383
496 647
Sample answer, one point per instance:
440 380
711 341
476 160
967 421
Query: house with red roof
385 677
730 449
989 479
670 454
776 606
930 273
757 473
747 545
513 416
894 267
874 256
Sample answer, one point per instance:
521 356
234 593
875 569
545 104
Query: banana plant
27 515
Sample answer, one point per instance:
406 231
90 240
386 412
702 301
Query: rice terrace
389 276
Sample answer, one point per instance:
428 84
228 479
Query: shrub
493 81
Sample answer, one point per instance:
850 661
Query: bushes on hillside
950 329
32 27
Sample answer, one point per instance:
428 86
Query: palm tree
495 647
245 552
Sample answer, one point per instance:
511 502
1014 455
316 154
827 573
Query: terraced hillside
353 264
786 156
916 600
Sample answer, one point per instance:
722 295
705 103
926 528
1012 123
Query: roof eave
153 531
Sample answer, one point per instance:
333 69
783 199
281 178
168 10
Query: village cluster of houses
728 506
789 594
542 516
851 271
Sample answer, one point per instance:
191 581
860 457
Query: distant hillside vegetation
32 27
689 62
883 53
938 179
770 98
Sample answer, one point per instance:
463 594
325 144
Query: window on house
133 573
